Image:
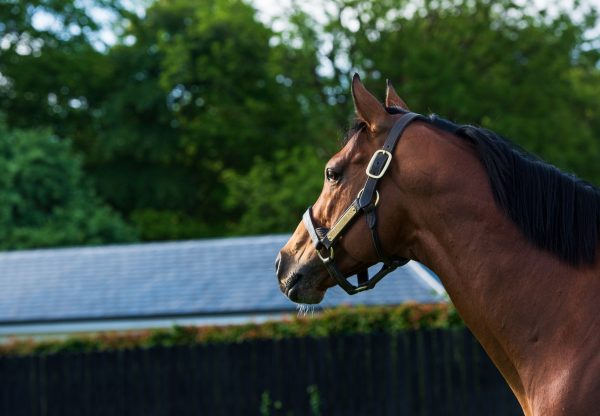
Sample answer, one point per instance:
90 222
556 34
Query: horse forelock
356 126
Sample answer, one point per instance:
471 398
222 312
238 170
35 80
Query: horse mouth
300 289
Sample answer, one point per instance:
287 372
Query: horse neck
508 291
456 227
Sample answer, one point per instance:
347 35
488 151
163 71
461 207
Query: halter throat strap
365 203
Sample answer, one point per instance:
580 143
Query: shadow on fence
428 372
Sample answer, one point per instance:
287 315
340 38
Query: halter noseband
324 239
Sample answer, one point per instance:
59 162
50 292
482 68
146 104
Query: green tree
199 88
52 73
201 117
231 105
524 73
272 196
44 199
135 155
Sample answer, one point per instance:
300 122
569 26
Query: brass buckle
372 161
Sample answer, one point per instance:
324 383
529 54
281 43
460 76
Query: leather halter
325 239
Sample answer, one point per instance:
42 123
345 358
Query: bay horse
513 240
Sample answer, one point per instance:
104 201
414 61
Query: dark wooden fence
430 372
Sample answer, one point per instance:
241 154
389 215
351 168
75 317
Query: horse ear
368 108
392 99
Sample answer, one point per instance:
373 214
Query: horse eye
332 175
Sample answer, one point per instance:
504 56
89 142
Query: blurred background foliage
202 120
45 198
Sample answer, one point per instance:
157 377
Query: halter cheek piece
325 239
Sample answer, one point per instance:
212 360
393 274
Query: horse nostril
277 261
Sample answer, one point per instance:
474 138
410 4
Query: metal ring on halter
376 196
325 258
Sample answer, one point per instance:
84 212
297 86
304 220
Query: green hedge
342 320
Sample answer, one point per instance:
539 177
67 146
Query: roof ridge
143 246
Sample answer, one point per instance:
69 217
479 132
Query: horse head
300 268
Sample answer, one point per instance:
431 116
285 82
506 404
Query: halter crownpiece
325 239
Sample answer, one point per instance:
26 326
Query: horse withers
513 240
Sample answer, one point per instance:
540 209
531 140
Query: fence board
433 372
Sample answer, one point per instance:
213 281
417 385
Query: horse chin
305 295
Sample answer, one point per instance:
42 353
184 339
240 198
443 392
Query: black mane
556 211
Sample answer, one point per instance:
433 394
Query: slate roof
213 276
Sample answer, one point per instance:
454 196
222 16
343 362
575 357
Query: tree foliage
45 199
51 71
491 63
202 120
200 92
272 196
